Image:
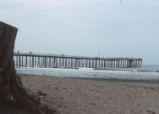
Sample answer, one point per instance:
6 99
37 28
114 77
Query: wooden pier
73 62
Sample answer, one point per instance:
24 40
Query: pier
73 62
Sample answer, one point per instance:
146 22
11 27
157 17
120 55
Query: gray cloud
83 27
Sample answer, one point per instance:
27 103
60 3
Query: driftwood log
12 91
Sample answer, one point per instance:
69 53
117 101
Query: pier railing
73 62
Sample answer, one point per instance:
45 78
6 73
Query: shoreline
98 79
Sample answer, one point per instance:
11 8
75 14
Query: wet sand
91 96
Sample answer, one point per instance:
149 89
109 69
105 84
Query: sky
113 28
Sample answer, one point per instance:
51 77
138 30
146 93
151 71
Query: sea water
147 72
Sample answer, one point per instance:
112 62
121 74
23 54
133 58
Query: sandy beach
92 96
86 96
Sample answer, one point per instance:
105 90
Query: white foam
85 72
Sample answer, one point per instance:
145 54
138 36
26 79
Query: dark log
12 91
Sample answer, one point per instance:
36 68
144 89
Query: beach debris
61 97
152 88
151 112
40 93
12 91
49 84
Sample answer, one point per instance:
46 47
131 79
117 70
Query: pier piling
73 62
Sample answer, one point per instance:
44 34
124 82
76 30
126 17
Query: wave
130 74
131 70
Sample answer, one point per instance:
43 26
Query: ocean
147 72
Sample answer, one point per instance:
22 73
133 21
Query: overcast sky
128 28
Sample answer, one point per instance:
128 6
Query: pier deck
73 62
